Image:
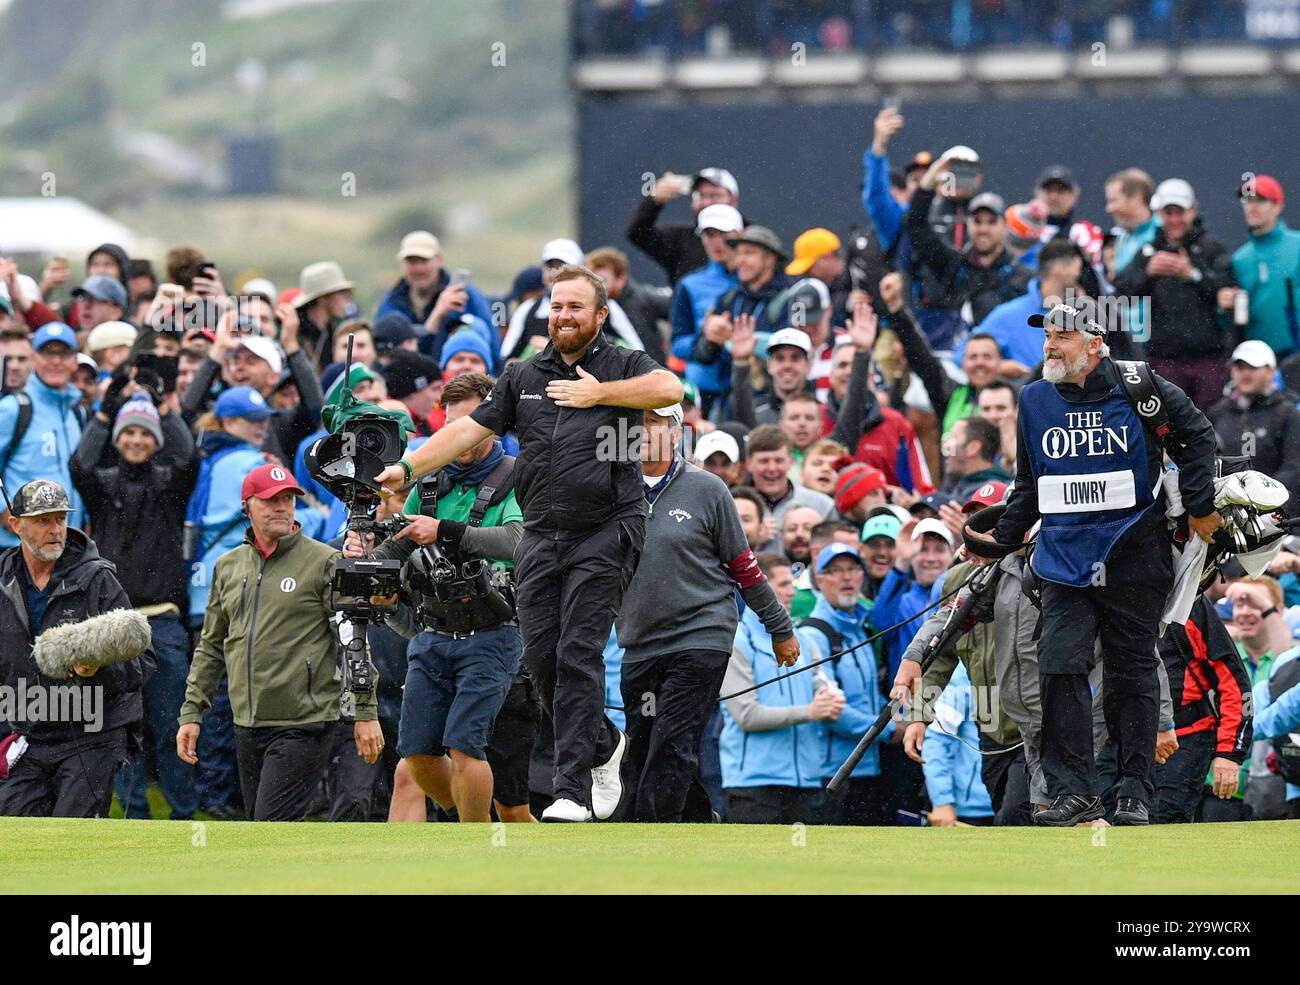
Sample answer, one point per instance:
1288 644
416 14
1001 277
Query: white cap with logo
791 336
673 412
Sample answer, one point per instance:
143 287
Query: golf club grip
860 750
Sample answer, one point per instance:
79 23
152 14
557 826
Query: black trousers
357 790
65 779
903 781
510 748
775 805
864 800
1180 780
568 591
280 768
1123 610
668 701
1007 782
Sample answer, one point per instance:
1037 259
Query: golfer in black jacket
577 410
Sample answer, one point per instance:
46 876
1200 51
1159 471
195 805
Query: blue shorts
454 690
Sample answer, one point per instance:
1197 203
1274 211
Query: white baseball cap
960 152
720 177
723 218
563 249
933 525
260 286
673 412
1255 353
263 348
1173 191
791 336
714 442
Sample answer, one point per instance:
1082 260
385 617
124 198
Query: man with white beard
1090 467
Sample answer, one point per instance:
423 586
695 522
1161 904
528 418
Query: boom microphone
109 638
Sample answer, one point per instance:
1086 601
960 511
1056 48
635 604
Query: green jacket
976 651
270 629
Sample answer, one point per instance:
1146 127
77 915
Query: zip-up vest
1089 463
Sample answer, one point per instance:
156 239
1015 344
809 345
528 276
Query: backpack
24 421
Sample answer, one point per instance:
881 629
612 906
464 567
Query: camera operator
269 626
584 520
464 660
56 586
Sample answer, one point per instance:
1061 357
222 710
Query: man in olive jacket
269 627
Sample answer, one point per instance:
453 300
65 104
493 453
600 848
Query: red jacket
891 446
1208 682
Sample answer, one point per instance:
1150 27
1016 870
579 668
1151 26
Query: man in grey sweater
679 619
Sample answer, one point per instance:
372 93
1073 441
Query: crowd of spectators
686 27
858 400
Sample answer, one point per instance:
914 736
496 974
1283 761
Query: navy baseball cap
836 549
1077 317
101 287
391 330
55 331
528 279
933 501
243 401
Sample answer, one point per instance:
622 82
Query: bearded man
1090 467
577 409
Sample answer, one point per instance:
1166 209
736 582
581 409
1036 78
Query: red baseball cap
855 482
989 494
266 481
1264 186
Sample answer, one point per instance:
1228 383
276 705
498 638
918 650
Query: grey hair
1105 351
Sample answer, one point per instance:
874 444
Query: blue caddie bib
1089 462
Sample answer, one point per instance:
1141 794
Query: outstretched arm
447 444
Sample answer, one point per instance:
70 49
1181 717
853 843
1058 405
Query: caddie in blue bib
1089 462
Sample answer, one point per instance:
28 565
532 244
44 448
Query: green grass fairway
72 856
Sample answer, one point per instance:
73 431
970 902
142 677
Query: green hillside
451 114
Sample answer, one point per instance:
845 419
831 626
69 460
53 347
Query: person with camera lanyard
463 661
269 627
583 502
